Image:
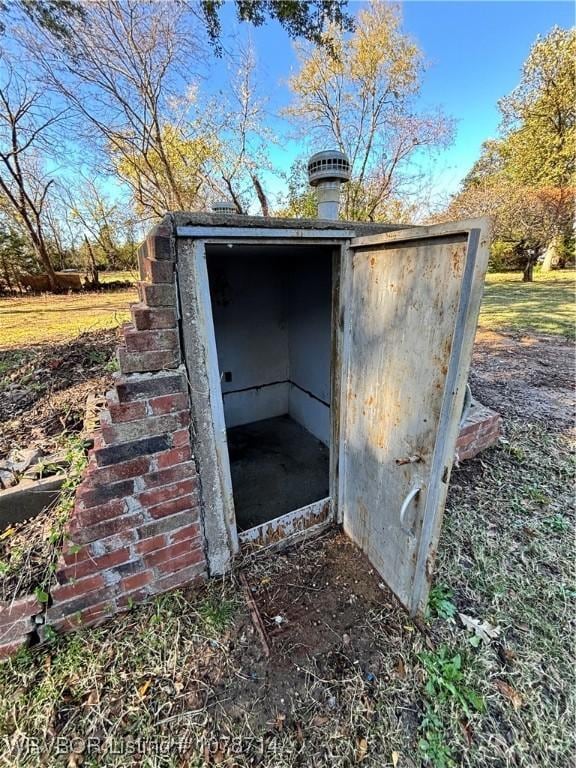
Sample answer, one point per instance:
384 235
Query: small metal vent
330 165
224 206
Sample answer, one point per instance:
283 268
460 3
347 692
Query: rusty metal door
411 308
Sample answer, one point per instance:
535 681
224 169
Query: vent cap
224 206
329 165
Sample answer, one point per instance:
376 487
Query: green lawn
545 306
127 275
47 318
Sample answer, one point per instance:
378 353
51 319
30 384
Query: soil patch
333 628
528 376
43 389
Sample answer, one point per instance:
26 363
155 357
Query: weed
556 523
96 356
432 745
112 366
215 613
75 459
449 699
445 680
535 493
440 602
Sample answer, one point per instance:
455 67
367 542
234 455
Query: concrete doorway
272 317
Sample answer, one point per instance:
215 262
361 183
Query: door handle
404 508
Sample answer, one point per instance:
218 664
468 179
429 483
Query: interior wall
309 309
272 317
251 336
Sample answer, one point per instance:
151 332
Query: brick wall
135 530
17 623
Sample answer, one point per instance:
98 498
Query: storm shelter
327 364
272 315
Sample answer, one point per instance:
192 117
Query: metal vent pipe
327 170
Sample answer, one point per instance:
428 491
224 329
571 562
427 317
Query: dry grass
186 672
48 318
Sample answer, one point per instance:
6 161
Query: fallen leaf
510 693
7 532
299 734
482 629
144 687
361 750
400 669
92 699
507 655
430 643
466 729
395 758
319 720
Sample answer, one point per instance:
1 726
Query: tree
525 179
52 15
525 219
235 118
16 257
125 71
539 116
300 199
26 136
300 18
100 222
362 101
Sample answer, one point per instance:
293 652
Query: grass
167 672
545 306
127 275
48 318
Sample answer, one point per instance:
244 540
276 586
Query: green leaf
41 595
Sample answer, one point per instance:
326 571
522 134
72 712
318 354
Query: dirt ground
43 389
526 375
314 600
43 393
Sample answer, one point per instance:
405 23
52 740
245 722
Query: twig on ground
255 615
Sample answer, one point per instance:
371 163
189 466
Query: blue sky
474 50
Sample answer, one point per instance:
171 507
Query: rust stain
271 535
457 260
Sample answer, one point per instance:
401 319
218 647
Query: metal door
412 303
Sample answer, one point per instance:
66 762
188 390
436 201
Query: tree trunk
262 199
44 259
528 271
94 277
6 273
